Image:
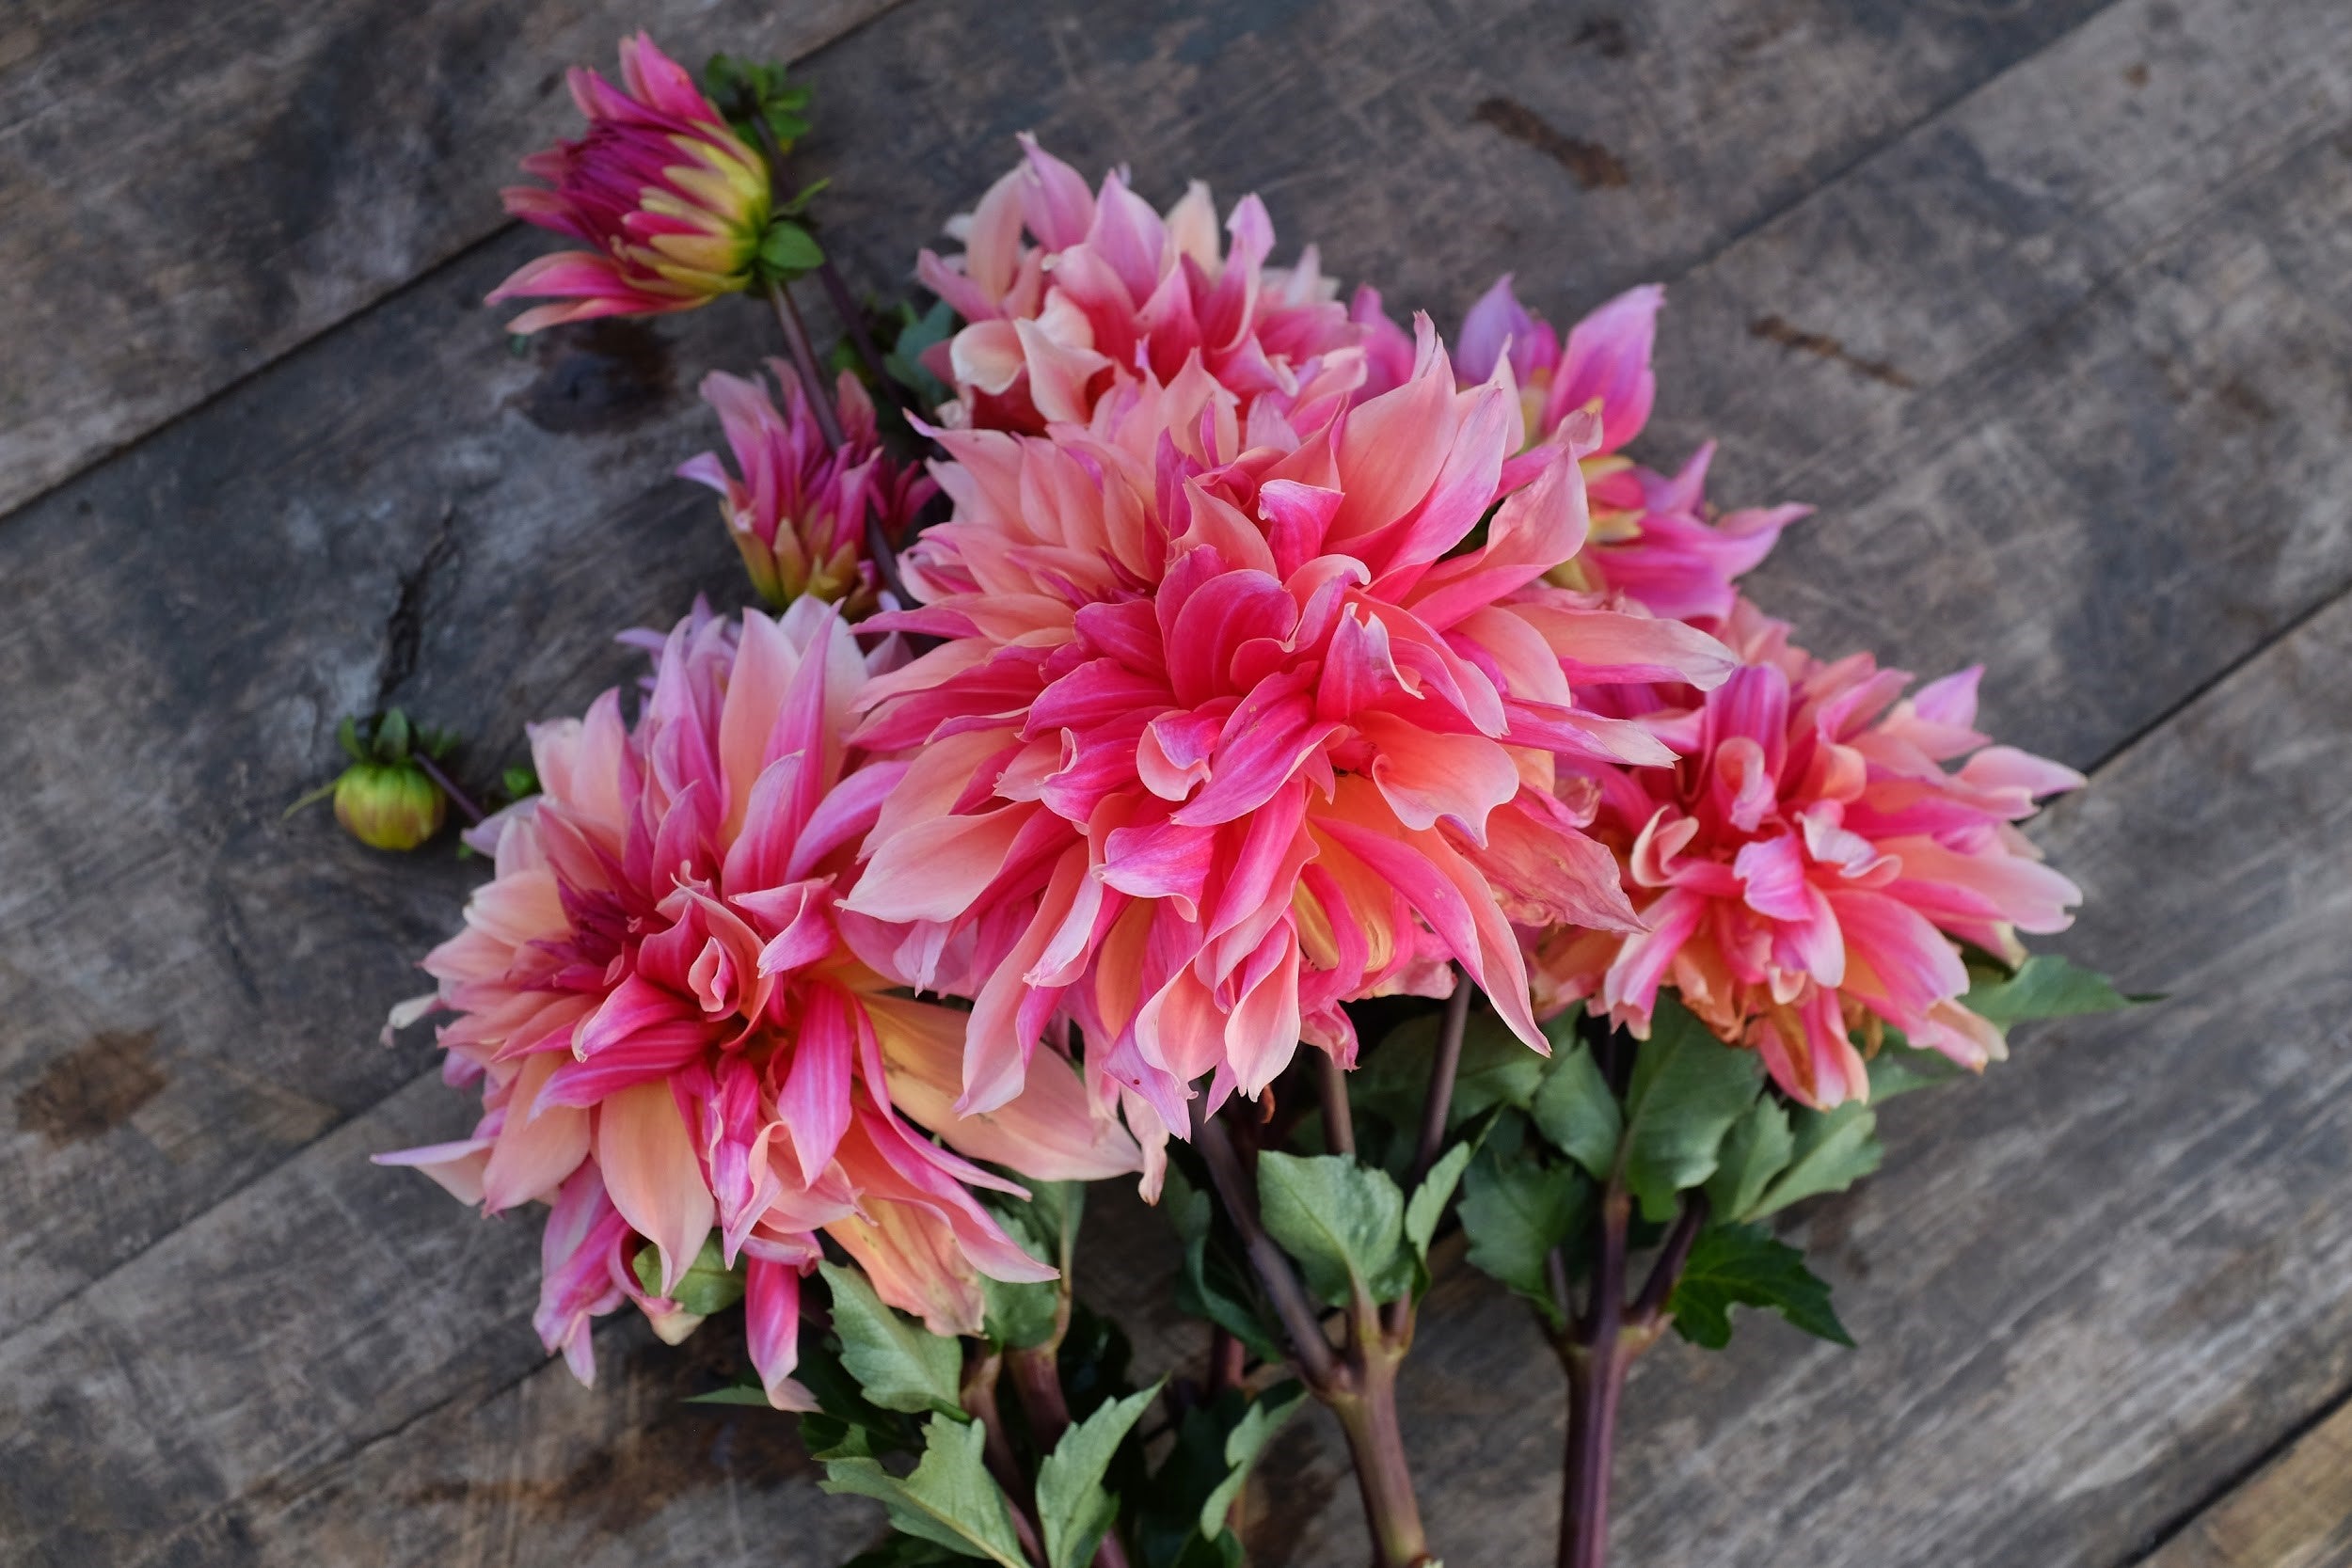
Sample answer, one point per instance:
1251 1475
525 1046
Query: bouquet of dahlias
1204 733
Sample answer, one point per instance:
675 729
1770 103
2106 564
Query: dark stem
1227 1361
1441 1073
1037 1381
1376 1442
1650 1305
1312 1351
1339 1121
884 555
854 320
458 798
1596 1361
804 362
977 1395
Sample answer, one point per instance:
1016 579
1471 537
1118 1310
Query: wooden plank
191 191
515 507
232 629
190 198
2294 1513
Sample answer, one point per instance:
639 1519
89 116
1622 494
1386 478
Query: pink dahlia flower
1229 728
795 508
1654 538
1810 868
1111 289
672 204
672 1041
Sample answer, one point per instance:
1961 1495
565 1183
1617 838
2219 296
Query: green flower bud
388 805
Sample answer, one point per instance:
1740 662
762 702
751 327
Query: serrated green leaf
1688 1088
1497 1068
746 1392
1343 1221
907 1551
950 1499
1073 1511
1831 1151
1744 1266
1576 1110
1515 1209
1267 1415
1429 1199
708 1286
2044 986
1758 1147
899 1363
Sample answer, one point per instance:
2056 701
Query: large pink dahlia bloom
1810 868
672 1040
795 508
1103 290
1654 538
670 201
1234 725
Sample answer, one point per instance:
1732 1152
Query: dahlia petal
771 1331
533 1154
649 1168
813 1101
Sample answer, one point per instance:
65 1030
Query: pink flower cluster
1285 659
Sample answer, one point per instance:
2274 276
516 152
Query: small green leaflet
1343 1221
1743 1265
1576 1110
1516 1209
708 1286
2044 986
1831 1151
1242 1445
787 251
1688 1088
1211 1287
1429 1199
1073 1511
1900 1067
899 1364
747 1391
949 1497
1757 1148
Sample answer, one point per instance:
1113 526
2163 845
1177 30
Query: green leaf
1688 1088
1515 1209
1832 1149
1757 1148
393 738
1576 1110
1744 1266
1268 1415
1343 1221
906 1551
1025 1313
708 1286
2044 986
347 736
734 1393
1899 1068
1213 1287
1429 1199
949 1497
787 251
897 1362
1497 1068
904 362
1073 1511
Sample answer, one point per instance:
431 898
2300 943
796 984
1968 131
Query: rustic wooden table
2048 305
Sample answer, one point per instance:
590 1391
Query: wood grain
2294 1513
332 1363
193 190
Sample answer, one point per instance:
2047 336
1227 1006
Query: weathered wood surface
2050 312
190 190
2294 1513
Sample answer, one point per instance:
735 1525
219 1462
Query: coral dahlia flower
1810 868
1111 289
1234 725
673 1043
796 509
672 203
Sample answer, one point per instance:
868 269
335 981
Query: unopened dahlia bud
673 204
388 805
